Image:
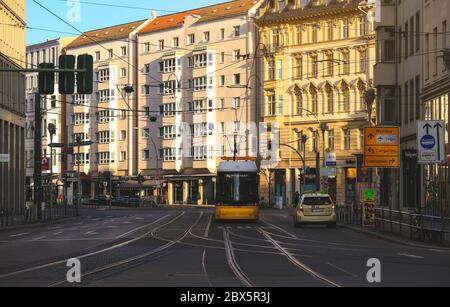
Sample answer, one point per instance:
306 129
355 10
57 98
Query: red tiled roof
208 13
105 34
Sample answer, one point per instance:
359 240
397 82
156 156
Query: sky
92 16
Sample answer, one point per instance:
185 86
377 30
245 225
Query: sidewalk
42 224
396 238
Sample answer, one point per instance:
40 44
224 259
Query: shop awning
152 183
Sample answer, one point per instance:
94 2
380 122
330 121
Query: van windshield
319 200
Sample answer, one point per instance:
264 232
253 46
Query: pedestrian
296 198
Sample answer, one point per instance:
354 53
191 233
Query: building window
191 39
110 53
123 51
237 79
145 155
280 105
236 102
346 63
147 47
103 75
237 31
362 61
222 34
222 57
161 44
330 101
271 105
280 69
145 133
123 135
271 69
123 156
97 55
347 139
123 72
298 69
314 101
330 64
314 66
206 36
298 103
331 140
345 28
236 55
175 42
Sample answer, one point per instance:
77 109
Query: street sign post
330 159
382 147
431 142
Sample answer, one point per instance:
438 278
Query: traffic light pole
38 155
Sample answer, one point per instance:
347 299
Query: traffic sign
369 195
45 164
4 157
430 142
56 145
330 159
84 143
382 147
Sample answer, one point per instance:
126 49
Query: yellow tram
237 190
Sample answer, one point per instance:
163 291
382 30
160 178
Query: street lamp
52 131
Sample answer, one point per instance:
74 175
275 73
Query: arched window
314 100
330 101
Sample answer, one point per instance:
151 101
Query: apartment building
53 110
412 84
318 59
107 117
12 107
196 80
435 97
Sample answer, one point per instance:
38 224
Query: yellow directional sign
382 147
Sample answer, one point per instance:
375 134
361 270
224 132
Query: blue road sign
428 141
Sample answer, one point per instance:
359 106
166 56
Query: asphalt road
187 248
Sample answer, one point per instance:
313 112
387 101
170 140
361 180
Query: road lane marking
96 219
91 233
438 250
112 226
84 255
39 238
57 233
19 234
126 222
206 234
139 218
141 256
342 270
410 256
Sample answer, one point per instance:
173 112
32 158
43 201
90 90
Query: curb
393 239
37 225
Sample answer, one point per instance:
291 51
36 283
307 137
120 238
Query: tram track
297 262
153 252
97 252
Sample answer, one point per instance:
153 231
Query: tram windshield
237 188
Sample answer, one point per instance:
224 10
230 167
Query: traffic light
46 79
66 79
300 177
85 79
